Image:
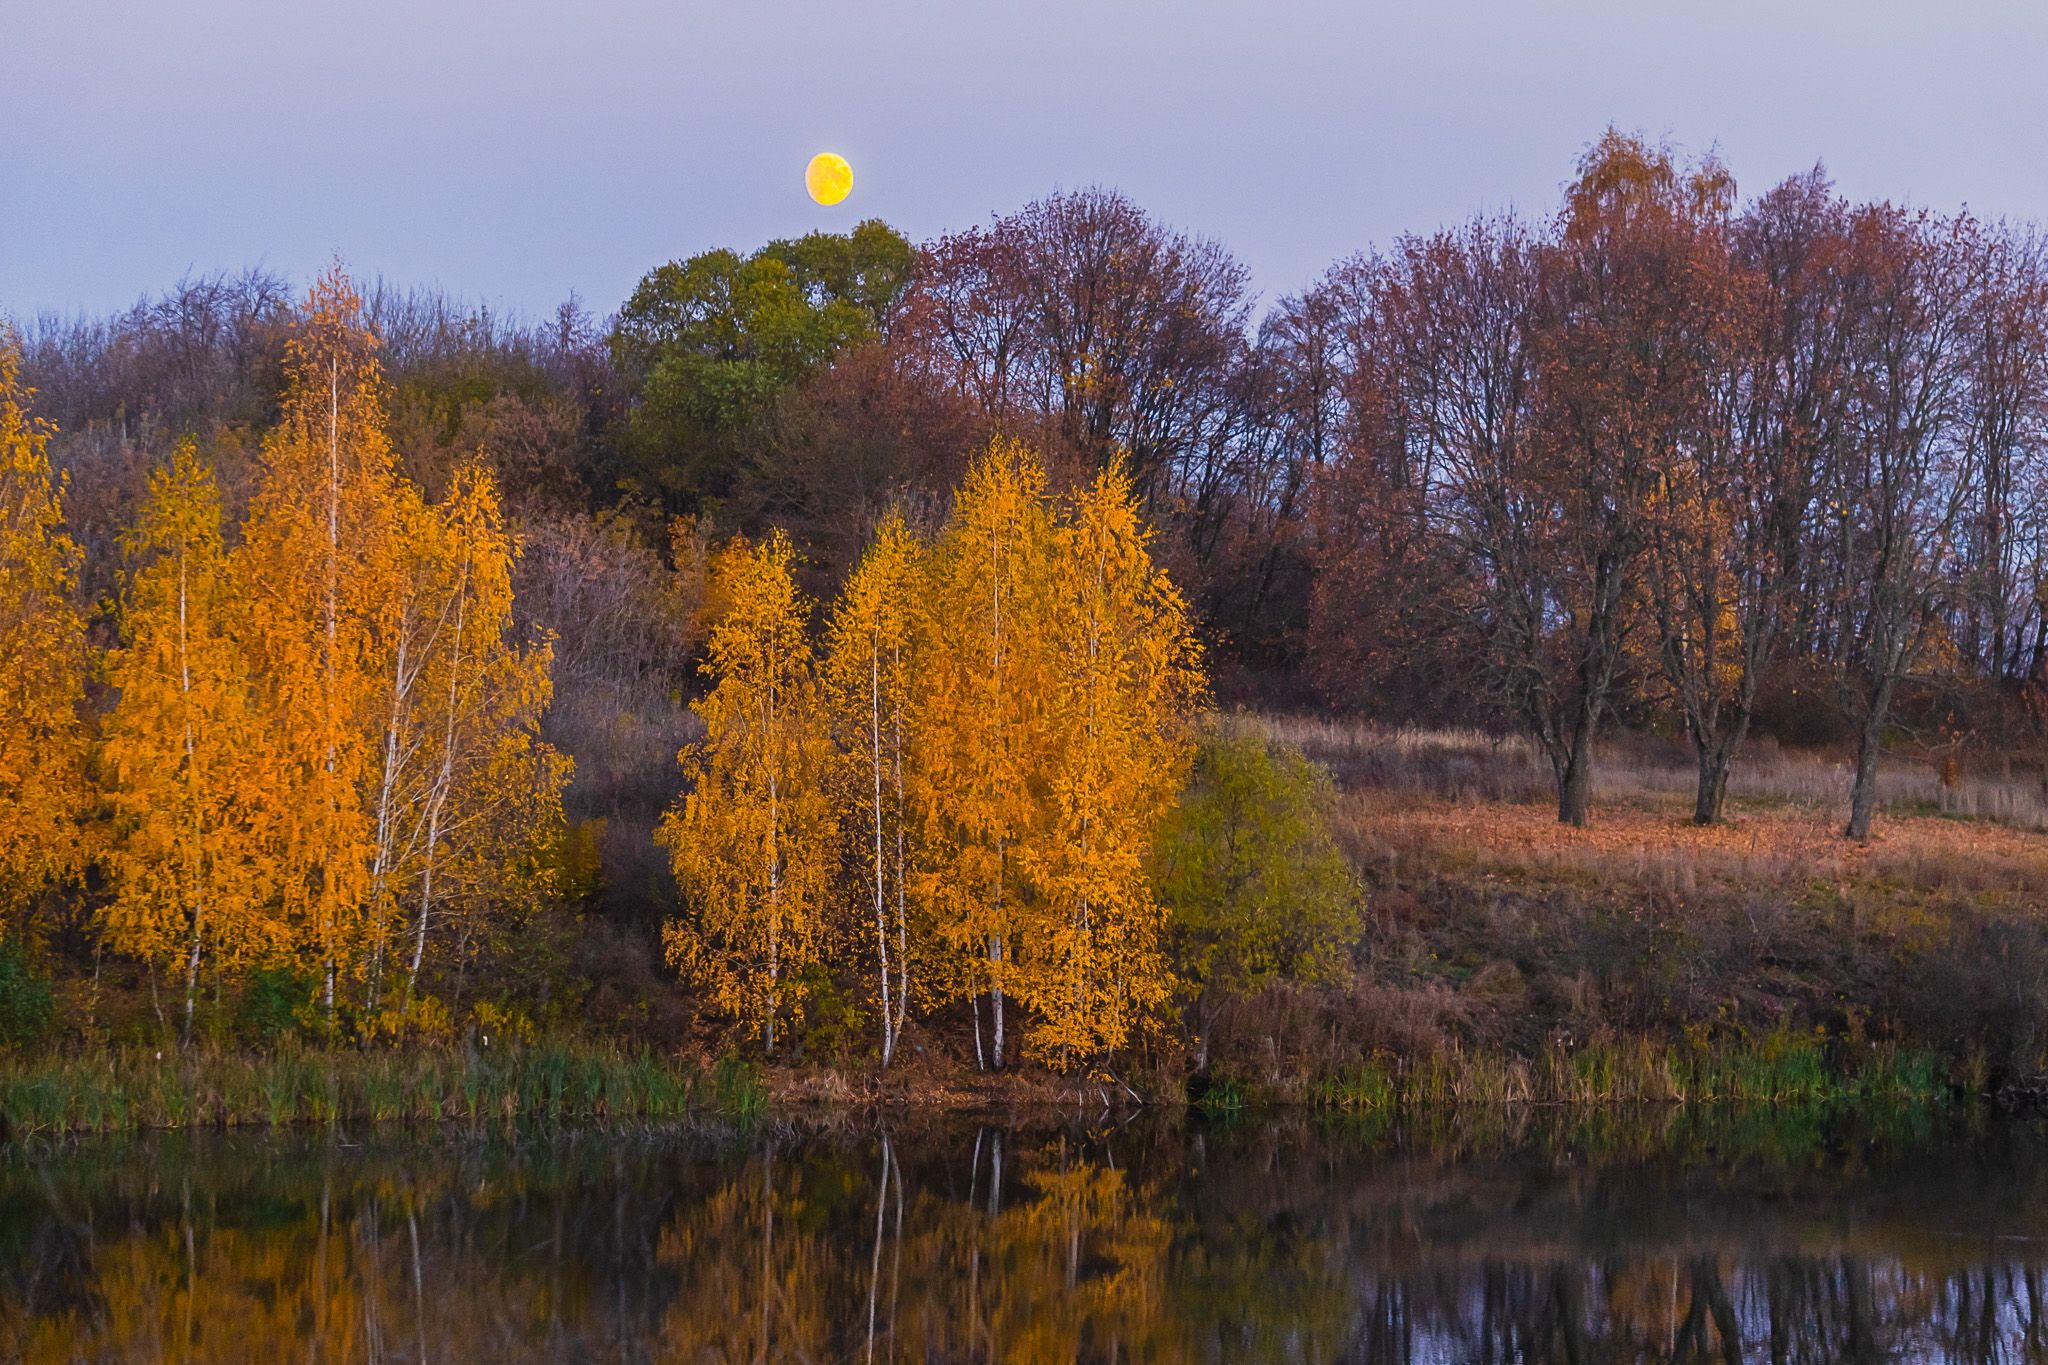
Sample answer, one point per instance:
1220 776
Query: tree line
965 771
1668 454
315 741
1666 459
312 736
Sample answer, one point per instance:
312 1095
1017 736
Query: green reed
1774 1068
130 1089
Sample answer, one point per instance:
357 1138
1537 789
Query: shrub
1256 889
26 1004
273 1005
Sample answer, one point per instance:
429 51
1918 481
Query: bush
1256 889
26 1004
274 1005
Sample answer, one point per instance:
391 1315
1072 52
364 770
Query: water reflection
1627 1239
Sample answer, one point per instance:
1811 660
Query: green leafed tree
709 344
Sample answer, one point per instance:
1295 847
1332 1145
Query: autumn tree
1730 487
752 839
2005 538
981 717
1123 680
478 791
1417 490
193 879
1083 322
317 554
872 660
1626 341
1900 493
1435 519
42 656
1249 520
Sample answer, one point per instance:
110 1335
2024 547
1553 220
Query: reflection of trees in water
1150 1244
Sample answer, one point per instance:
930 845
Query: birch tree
193 881
871 663
317 554
42 656
1124 679
752 839
981 715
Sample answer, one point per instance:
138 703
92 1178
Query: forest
1024 646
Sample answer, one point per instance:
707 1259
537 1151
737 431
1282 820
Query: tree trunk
1712 794
995 957
881 888
1575 785
191 986
980 1057
1863 796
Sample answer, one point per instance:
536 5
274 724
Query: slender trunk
442 783
775 862
195 835
774 918
382 859
881 873
995 942
974 1008
1575 783
328 664
419 938
902 867
1863 795
191 986
995 958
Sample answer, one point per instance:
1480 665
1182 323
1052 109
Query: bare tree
1902 489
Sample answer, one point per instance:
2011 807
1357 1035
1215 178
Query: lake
1626 1235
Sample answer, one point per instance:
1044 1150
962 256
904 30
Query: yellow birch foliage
420 558
490 790
1125 680
752 840
42 656
317 556
192 881
980 715
871 665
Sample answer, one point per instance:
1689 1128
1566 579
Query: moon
828 178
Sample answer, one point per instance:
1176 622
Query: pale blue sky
514 151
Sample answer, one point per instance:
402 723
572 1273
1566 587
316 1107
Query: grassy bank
122 1090
1505 958
129 1090
1777 1070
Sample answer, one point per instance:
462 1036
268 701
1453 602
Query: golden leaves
42 655
1008 720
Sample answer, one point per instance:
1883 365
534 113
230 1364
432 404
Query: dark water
1628 1237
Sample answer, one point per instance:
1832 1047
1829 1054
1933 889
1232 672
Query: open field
1504 953
1470 766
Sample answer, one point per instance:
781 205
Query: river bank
131 1090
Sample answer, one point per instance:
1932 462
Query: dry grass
1658 847
1507 956
1468 799
1467 765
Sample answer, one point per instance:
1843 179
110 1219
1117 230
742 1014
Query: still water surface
1626 1237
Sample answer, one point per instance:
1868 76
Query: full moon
828 178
